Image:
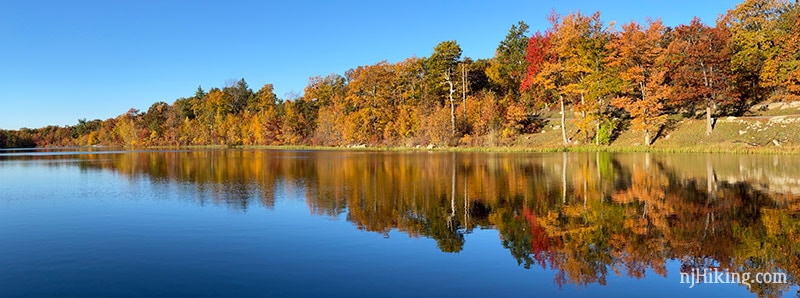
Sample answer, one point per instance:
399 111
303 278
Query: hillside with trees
589 79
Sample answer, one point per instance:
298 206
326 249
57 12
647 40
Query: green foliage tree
753 26
156 117
262 100
237 96
509 65
580 43
442 72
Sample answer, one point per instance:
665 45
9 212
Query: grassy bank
752 134
717 148
577 148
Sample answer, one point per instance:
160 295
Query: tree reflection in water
583 215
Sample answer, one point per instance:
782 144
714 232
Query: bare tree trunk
711 179
708 83
563 120
583 117
449 81
708 119
564 178
599 176
585 191
466 202
646 129
583 106
464 87
452 193
597 133
452 114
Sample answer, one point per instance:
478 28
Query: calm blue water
331 224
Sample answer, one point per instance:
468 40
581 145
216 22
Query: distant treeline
611 78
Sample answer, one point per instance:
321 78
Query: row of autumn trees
646 72
600 76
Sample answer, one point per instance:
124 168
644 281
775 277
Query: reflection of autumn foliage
541 244
642 246
585 216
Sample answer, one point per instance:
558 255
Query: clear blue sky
65 60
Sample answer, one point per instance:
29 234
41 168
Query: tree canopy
605 79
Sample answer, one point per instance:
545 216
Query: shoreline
498 149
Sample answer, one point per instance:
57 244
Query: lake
267 223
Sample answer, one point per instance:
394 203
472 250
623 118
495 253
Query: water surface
264 223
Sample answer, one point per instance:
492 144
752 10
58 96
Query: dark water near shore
261 223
